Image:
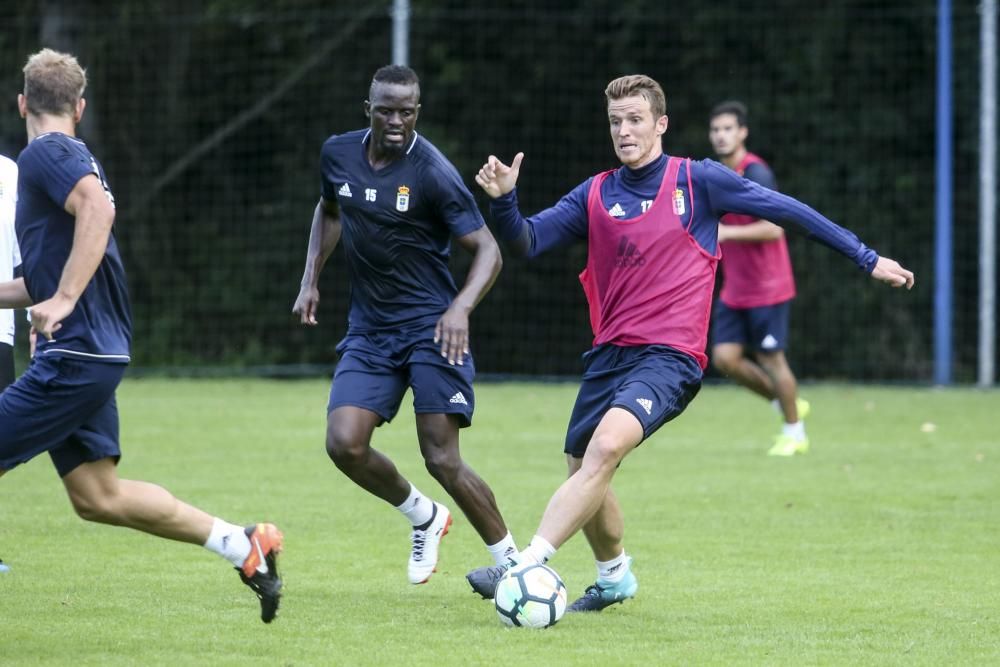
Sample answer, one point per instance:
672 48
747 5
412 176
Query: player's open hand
889 271
496 178
306 305
452 332
47 316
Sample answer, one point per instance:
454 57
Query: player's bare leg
785 386
439 445
579 499
731 360
348 444
793 438
98 494
606 529
604 532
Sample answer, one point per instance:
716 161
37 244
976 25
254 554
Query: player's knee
773 362
344 450
98 509
443 465
725 362
604 452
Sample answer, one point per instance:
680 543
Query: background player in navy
397 202
757 290
651 229
74 280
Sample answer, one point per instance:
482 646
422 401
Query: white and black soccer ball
530 596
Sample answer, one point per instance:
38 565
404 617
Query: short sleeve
49 165
453 200
326 166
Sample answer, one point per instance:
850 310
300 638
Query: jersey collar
364 140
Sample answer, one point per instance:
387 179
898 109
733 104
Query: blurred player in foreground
757 290
10 266
651 230
397 202
74 281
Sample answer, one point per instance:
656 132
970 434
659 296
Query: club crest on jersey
403 198
679 201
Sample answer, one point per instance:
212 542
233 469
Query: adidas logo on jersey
646 404
345 191
616 211
628 255
769 342
459 397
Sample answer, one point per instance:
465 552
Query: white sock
776 404
417 507
539 551
614 570
796 430
503 550
229 541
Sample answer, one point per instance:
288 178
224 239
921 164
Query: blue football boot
603 594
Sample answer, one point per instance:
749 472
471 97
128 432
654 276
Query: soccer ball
530 596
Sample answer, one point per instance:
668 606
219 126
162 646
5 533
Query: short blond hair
638 85
53 83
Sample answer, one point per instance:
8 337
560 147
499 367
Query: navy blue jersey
397 226
100 326
628 193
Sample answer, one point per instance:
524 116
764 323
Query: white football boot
425 542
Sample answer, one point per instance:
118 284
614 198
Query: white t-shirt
10 256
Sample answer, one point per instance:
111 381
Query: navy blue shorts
6 365
63 406
653 382
764 328
375 370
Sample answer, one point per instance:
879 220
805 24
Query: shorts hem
466 418
347 404
628 408
62 471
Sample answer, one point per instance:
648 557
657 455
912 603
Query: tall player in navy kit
396 202
74 281
651 230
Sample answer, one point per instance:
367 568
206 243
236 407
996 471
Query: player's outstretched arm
889 271
496 178
323 238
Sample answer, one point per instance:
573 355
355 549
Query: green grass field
880 547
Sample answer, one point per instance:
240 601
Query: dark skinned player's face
393 110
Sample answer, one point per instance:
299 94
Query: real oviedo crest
403 198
